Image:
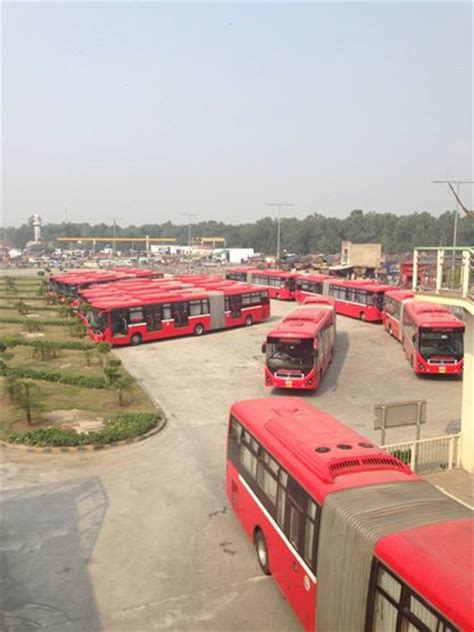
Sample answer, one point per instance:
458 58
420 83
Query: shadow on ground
48 534
330 380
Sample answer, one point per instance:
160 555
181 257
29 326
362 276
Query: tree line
315 233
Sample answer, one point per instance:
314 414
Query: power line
279 206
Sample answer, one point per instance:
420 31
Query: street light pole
189 216
114 233
279 206
456 210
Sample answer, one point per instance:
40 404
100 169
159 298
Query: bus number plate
288 383
442 369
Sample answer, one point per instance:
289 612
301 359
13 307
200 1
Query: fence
428 455
444 271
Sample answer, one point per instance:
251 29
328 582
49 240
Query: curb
84 448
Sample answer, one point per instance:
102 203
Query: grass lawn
88 403
95 403
66 361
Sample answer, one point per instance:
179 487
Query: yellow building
446 276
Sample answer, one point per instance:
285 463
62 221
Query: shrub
120 428
14 341
40 321
72 379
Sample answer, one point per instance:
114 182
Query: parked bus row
355 298
300 349
353 538
431 336
69 284
124 314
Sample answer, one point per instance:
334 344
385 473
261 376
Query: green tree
122 384
28 397
104 349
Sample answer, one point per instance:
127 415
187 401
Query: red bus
128 320
70 283
355 298
280 284
432 338
353 538
299 350
393 304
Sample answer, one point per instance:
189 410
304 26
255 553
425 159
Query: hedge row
122 427
72 379
33 308
22 297
60 322
15 341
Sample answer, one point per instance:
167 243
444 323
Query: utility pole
279 206
189 216
114 233
457 183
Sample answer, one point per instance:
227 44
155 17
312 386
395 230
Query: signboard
396 414
399 414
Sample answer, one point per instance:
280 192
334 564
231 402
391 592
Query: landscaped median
58 390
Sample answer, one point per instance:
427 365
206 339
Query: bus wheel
362 316
198 330
136 339
248 320
262 551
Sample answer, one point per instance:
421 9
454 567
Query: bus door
180 313
299 587
235 305
153 316
119 323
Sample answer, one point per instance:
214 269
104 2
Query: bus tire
362 316
136 339
248 320
262 551
199 329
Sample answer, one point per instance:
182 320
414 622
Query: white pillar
467 410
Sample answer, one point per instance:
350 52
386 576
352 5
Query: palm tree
28 397
123 383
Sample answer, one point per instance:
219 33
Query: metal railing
428 455
448 271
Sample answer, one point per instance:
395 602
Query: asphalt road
141 537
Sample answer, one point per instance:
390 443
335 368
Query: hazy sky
143 111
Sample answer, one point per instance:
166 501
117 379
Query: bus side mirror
316 353
264 347
413 338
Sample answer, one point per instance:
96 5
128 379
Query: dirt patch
35 335
75 419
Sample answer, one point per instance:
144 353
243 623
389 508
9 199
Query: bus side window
281 498
248 454
167 312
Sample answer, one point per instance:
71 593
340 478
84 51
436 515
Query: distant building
361 255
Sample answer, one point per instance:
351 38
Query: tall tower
36 222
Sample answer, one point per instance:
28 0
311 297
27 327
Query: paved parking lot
141 537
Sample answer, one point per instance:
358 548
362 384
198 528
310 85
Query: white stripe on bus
306 568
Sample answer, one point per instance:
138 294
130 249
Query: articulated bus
300 349
432 338
133 319
280 284
70 284
393 304
354 539
357 299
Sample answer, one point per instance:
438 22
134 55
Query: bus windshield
288 354
442 342
97 320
